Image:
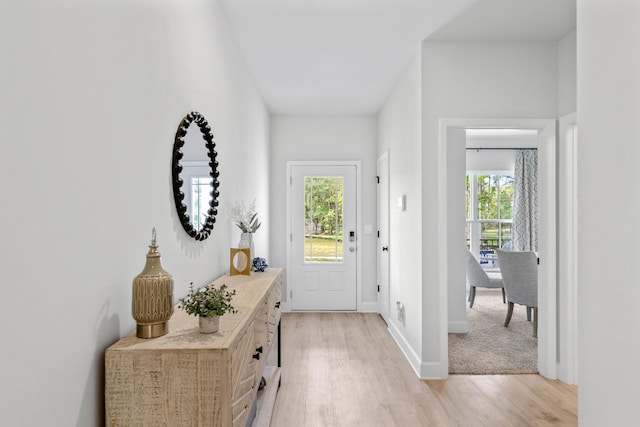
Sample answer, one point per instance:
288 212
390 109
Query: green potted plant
208 303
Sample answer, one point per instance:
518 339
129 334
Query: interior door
324 244
383 236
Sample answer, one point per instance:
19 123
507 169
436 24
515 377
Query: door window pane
323 219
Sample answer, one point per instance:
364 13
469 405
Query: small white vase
246 241
208 325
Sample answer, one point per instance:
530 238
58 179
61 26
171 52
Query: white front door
383 236
323 239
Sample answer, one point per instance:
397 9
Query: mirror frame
178 194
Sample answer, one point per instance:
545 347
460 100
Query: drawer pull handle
278 304
256 356
259 349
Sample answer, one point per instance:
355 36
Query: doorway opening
501 214
452 220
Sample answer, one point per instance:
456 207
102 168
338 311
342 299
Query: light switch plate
402 202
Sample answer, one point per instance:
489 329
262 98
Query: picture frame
239 261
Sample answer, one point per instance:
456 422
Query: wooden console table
186 378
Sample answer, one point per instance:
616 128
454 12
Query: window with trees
323 219
489 208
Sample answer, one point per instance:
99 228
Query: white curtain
525 216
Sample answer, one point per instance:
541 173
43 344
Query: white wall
496 160
469 80
325 138
490 160
399 133
92 94
608 206
567 75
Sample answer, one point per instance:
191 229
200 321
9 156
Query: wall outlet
400 311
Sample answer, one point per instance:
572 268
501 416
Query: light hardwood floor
344 369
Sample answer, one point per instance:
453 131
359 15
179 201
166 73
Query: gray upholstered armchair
478 277
520 277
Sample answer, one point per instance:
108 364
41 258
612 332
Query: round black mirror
195 176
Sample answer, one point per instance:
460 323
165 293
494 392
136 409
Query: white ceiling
341 57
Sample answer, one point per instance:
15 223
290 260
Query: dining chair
520 277
478 277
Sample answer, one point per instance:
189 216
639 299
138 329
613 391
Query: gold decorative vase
152 302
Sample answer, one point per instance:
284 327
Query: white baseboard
365 307
460 327
411 356
424 370
433 371
368 307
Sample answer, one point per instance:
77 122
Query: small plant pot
208 325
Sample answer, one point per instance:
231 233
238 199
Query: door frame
359 228
568 249
547 327
384 186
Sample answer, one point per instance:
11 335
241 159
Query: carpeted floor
489 347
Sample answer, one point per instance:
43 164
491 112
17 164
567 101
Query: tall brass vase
152 301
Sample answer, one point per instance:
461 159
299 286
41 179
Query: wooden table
186 378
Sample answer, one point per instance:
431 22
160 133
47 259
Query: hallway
344 369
